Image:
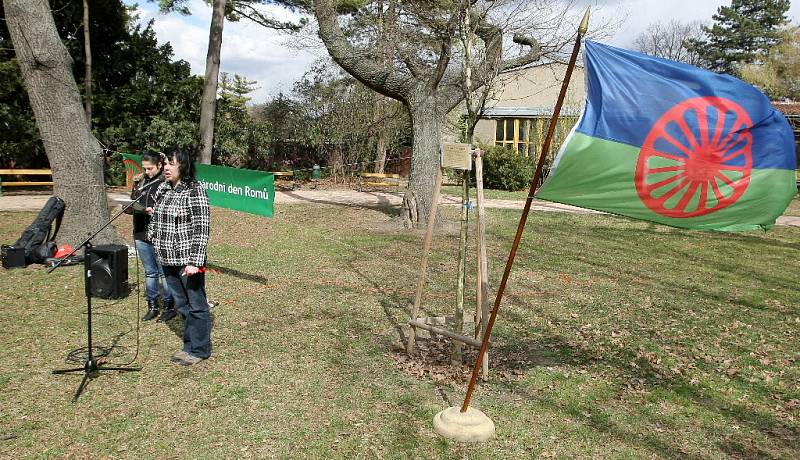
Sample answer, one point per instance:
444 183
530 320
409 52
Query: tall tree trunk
74 154
380 101
208 108
380 125
426 121
87 50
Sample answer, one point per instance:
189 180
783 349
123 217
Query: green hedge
505 169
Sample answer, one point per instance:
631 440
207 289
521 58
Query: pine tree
741 34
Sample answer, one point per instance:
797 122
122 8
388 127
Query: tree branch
357 63
248 11
441 65
533 54
414 65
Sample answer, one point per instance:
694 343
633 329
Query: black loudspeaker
13 257
109 271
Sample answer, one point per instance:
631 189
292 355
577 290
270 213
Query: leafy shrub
114 169
505 169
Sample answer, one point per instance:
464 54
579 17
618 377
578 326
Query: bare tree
382 45
426 71
74 154
668 40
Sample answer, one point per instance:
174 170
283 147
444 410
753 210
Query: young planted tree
423 74
741 34
75 155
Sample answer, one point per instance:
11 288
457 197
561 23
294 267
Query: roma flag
667 142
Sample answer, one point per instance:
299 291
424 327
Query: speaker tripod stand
91 367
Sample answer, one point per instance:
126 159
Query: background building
519 110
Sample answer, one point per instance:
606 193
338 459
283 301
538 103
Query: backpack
38 240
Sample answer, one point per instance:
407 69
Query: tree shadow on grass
677 243
645 282
391 303
384 205
611 268
591 415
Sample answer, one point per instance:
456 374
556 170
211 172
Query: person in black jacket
144 192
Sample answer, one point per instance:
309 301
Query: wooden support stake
457 347
482 294
438 330
423 269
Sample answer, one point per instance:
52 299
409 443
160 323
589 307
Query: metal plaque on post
456 156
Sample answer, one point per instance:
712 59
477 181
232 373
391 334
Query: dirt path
340 196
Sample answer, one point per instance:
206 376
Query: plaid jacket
180 224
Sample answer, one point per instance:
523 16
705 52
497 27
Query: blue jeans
153 273
189 293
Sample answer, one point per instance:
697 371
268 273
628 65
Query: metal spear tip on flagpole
584 26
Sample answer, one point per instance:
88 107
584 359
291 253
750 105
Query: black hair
184 157
153 157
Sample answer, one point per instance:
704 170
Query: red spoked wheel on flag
697 158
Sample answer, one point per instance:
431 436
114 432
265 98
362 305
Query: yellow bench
370 179
284 176
24 172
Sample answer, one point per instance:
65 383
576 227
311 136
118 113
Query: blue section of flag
628 92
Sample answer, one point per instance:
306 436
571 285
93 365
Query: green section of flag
599 174
240 189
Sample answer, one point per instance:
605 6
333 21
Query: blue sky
276 60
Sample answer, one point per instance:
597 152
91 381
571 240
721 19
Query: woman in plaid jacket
179 230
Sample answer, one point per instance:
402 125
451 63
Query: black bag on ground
38 240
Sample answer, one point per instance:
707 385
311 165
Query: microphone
147 186
141 191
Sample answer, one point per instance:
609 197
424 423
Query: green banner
231 188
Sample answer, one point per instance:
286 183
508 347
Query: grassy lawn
617 339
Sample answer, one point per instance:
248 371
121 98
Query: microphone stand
91 368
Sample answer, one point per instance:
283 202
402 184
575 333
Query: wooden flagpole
534 183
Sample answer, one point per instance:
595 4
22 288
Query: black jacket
145 197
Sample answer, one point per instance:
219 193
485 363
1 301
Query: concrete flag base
470 426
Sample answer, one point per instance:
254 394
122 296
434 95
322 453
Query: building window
517 133
526 135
